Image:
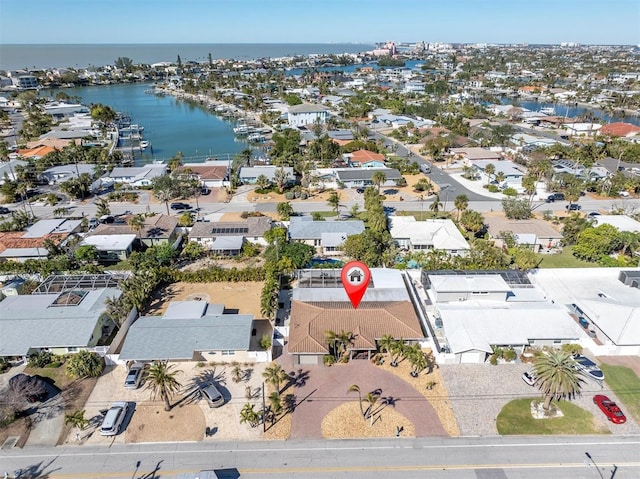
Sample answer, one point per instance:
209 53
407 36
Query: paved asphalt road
464 458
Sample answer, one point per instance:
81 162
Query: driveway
322 388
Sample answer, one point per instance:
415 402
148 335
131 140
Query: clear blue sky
319 21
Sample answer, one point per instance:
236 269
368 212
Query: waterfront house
439 234
325 236
306 114
249 174
621 130
135 176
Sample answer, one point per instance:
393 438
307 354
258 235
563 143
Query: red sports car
610 409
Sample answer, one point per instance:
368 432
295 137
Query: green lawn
625 383
564 260
515 418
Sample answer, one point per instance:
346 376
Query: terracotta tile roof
52 142
14 240
371 321
37 152
619 129
363 156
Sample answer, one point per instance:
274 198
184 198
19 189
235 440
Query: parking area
189 417
478 392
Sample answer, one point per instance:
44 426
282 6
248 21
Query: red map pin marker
355 279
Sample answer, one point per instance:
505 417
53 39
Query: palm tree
249 414
556 375
417 359
378 178
354 388
385 343
102 207
397 350
436 205
77 419
263 182
275 402
136 223
338 342
334 201
489 170
164 189
461 202
275 375
161 380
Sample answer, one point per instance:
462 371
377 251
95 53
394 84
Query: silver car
134 376
213 396
114 418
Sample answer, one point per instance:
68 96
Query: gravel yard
478 392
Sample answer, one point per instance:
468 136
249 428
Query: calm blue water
81 56
350 68
573 111
170 125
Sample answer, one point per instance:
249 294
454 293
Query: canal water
170 125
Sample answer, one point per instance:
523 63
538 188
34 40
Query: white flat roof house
622 222
440 234
608 298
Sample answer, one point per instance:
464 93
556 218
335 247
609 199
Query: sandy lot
152 423
346 421
243 296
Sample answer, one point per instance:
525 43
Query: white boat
242 129
548 110
144 144
255 137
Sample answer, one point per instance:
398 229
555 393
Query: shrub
265 341
510 192
54 364
289 195
493 189
41 359
304 196
328 360
493 360
4 364
572 348
200 364
85 364
509 354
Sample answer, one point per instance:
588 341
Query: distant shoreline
78 56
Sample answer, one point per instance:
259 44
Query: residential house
535 234
363 177
8 170
325 236
249 174
111 248
608 299
320 304
62 173
439 234
30 244
620 129
471 312
364 159
158 229
36 152
135 176
211 173
621 222
195 331
474 153
511 172
227 237
306 114
63 318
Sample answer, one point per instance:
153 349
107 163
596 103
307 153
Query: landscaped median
516 418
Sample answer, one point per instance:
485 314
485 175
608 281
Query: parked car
624 194
583 322
555 197
573 207
4 210
114 418
587 366
213 396
93 222
134 376
425 168
529 377
593 214
610 409
107 219
205 191
180 206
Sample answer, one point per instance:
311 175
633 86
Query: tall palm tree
334 201
556 376
161 380
136 223
102 207
436 205
378 178
489 170
275 402
385 343
354 388
417 358
461 202
275 375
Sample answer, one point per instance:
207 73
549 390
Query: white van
114 418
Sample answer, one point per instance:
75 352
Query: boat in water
144 144
548 110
